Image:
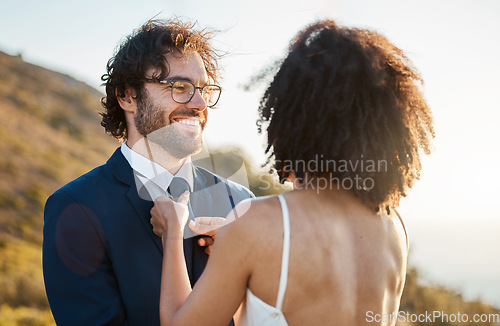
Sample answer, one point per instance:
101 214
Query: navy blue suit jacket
101 260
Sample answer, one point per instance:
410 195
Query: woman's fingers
207 225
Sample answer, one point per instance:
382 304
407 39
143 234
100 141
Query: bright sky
454 44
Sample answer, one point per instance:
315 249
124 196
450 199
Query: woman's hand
169 217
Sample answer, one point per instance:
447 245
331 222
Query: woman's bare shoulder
253 218
256 208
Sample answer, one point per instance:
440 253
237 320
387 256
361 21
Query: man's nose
197 102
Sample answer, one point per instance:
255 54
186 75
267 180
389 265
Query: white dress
257 312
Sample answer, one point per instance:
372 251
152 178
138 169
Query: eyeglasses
183 91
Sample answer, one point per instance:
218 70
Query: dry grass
50 134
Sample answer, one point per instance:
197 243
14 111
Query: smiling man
172 109
101 259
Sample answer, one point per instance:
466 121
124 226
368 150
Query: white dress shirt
155 178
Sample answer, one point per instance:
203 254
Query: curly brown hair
347 95
145 48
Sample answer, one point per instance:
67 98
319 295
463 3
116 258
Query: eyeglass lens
183 92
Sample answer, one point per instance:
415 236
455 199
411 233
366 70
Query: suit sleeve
79 280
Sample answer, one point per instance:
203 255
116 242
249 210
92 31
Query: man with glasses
101 259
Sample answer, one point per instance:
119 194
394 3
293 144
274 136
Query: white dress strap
286 253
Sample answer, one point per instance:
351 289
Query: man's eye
179 86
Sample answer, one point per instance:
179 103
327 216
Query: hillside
49 126
50 134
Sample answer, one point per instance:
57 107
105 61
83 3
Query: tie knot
177 187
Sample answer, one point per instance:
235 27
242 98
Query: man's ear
127 102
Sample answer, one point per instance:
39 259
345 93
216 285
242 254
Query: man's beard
152 123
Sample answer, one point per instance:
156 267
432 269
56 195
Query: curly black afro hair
348 95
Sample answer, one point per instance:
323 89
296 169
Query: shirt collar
156 173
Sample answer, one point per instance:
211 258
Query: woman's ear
127 102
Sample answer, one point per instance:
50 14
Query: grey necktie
177 187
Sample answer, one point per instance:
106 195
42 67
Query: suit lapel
201 200
137 196
143 209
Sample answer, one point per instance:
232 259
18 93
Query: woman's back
346 262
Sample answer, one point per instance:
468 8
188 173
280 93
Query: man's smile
191 123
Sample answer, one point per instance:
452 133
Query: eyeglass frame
171 82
